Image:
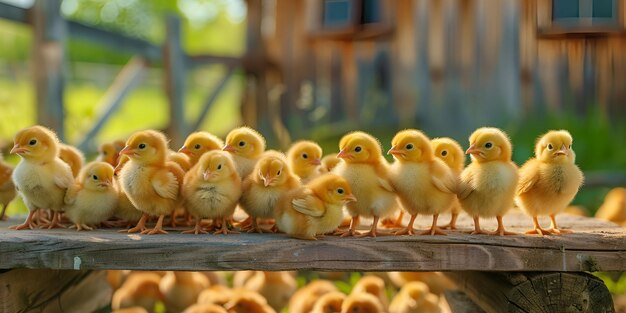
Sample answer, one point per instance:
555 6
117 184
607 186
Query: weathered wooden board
596 246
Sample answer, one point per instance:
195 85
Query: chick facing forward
549 182
212 189
246 146
414 297
181 289
152 184
424 183
367 172
304 299
94 198
139 289
314 209
614 206
329 303
41 177
7 188
450 152
271 178
362 303
305 159
199 143
488 184
73 157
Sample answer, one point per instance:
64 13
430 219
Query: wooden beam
535 292
50 30
210 100
459 302
209 59
13 13
130 76
175 76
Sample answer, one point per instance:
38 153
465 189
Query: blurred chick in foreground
151 183
245 301
212 189
414 297
246 146
313 209
305 159
94 197
7 188
329 303
549 181
424 183
488 184
215 294
205 308
329 162
139 289
373 285
110 151
276 287
199 143
181 289
450 152
41 177
362 303
270 179
367 172
304 299
73 157
614 206
436 281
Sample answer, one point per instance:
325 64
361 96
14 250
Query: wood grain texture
459 302
596 246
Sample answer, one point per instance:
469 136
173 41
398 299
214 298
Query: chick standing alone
41 177
246 146
424 183
450 152
152 184
549 182
305 159
488 184
94 198
7 188
212 189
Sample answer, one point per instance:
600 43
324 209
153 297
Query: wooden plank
175 76
535 292
13 13
208 103
596 246
459 302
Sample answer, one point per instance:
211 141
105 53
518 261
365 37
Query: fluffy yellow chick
329 162
329 303
305 159
414 297
205 308
151 183
212 189
181 289
7 188
436 281
246 146
367 172
373 285
449 151
245 301
304 299
216 294
424 183
73 157
276 287
549 181
181 159
614 206
94 198
198 143
139 289
108 152
314 209
126 210
488 184
271 178
41 177
362 303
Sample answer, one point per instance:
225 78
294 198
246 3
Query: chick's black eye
32 142
278 173
219 166
570 146
409 146
488 145
358 149
94 177
197 146
242 143
550 147
444 153
305 156
340 191
142 146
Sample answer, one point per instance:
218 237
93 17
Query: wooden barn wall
448 67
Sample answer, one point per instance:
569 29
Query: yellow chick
362 303
73 157
94 198
212 189
126 210
305 159
436 281
276 287
271 178
329 303
41 177
198 143
181 289
367 172
373 285
152 183
216 294
246 146
139 289
7 188
414 297
614 206
314 209
304 299
181 159
205 308
450 152
245 301
488 184
108 152
424 183
329 162
549 181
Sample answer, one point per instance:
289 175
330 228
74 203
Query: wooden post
535 292
174 65
50 30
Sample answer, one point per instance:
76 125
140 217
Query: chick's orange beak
184 150
127 151
207 174
343 154
229 148
562 151
18 150
266 180
316 162
472 150
394 151
349 198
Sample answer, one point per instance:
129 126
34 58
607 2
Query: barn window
584 12
352 19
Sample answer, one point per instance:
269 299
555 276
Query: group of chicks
271 292
298 193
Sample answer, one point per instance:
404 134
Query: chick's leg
224 229
55 223
500 231
434 229
141 225
477 230
374 232
354 223
2 216
409 228
554 229
28 223
196 230
391 223
537 228
452 224
158 228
